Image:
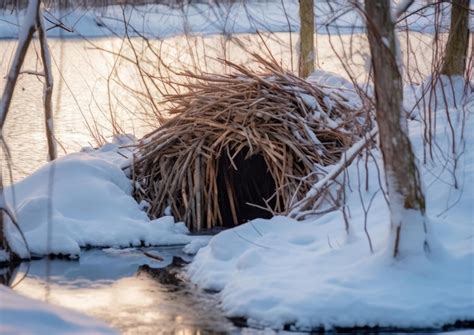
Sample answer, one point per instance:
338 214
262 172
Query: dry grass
294 125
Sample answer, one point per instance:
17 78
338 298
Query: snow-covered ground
273 272
313 274
21 315
160 21
84 199
282 272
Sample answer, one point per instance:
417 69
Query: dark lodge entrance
240 139
247 181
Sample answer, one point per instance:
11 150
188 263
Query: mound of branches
222 124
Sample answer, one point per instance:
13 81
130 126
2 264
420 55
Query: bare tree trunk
48 86
24 40
407 202
23 43
33 21
306 45
458 40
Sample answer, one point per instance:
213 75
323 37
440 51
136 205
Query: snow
274 272
400 7
21 315
333 84
161 21
197 243
84 199
4 256
335 170
420 99
310 274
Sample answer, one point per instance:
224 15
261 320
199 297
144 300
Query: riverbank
280 273
315 274
85 200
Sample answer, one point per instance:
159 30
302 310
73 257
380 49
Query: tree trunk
306 45
458 40
26 34
48 86
407 202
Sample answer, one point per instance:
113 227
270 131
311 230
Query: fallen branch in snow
304 207
153 256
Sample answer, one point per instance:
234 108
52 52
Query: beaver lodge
241 146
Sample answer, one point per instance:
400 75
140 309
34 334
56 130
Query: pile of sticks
295 126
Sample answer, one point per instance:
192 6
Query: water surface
125 289
95 82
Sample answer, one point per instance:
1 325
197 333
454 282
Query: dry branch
48 86
33 22
293 125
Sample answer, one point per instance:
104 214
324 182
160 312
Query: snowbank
312 274
21 315
84 199
160 21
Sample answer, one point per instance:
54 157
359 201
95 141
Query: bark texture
306 45
458 40
401 173
48 86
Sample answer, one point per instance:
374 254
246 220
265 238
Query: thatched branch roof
295 126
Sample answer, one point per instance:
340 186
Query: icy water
128 290
135 294
94 86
